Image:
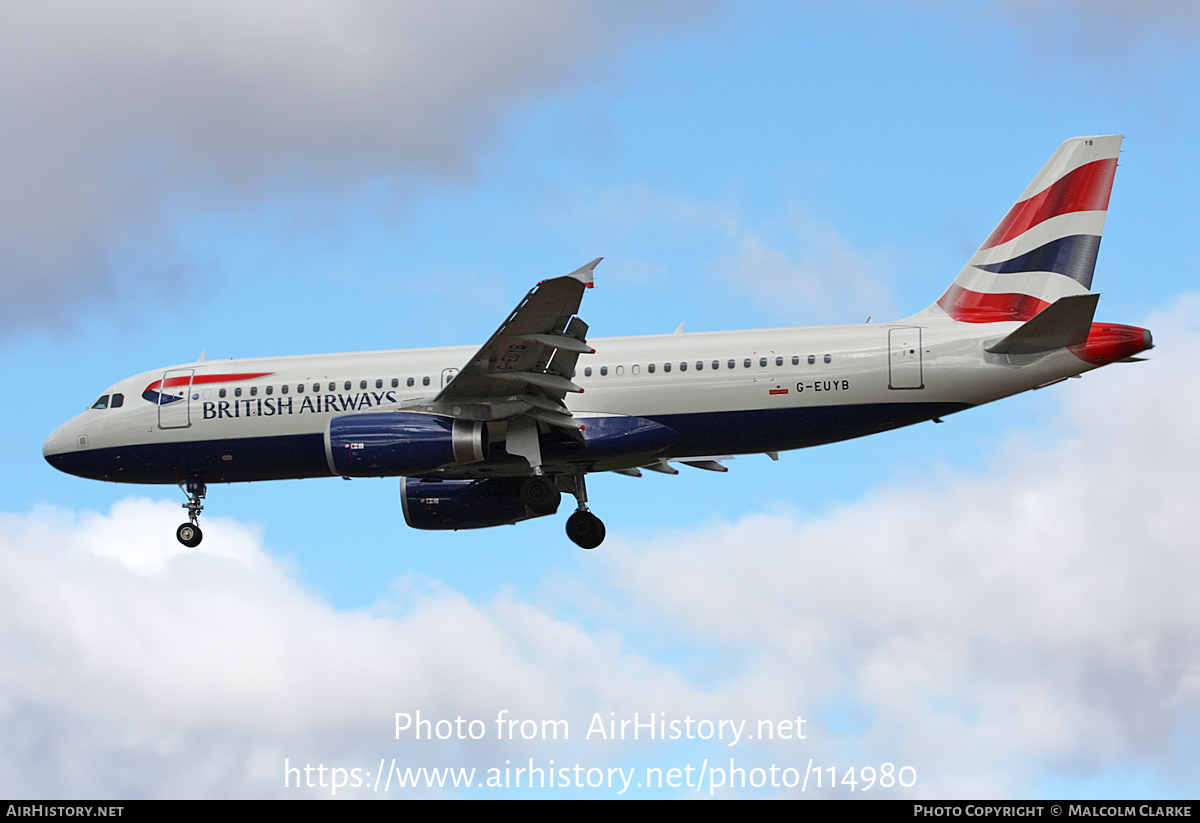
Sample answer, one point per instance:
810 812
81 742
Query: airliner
495 435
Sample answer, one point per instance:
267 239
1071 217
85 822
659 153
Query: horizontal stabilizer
1065 322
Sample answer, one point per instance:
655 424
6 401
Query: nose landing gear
189 533
585 529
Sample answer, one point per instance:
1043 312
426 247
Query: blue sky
265 188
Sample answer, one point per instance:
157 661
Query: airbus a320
497 434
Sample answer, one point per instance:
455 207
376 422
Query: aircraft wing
527 365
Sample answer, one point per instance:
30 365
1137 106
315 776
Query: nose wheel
189 533
585 529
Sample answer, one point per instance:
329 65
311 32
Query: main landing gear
189 533
540 495
585 529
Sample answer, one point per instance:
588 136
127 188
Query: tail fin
1045 247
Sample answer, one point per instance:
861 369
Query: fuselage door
447 376
175 398
904 358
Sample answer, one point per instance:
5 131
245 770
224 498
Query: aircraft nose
62 440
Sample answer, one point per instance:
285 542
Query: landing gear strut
584 528
189 533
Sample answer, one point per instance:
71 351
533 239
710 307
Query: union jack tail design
1045 247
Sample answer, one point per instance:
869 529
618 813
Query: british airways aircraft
494 436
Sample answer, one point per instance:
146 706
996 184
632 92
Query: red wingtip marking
590 285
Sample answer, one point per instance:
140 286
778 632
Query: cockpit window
102 403
118 400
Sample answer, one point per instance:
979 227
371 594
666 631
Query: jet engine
386 444
464 504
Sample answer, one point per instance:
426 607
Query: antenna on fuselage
678 330
200 359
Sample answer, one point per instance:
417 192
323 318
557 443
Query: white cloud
796 266
119 115
805 268
135 668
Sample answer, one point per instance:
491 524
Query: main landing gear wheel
189 534
585 530
540 495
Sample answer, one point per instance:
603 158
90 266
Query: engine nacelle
463 504
386 444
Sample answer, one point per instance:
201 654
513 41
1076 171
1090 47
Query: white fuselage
724 392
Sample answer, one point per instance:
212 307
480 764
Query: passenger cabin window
299 388
746 363
828 359
346 386
778 361
666 366
253 391
762 362
604 371
732 364
237 392
637 369
283 389
620 370
812 358
699 365
362 384
587 372
221 393
411 382
395 382
102 403
683 366
118 400
716 365
270 389
379 384
424 381
795 360
650 368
